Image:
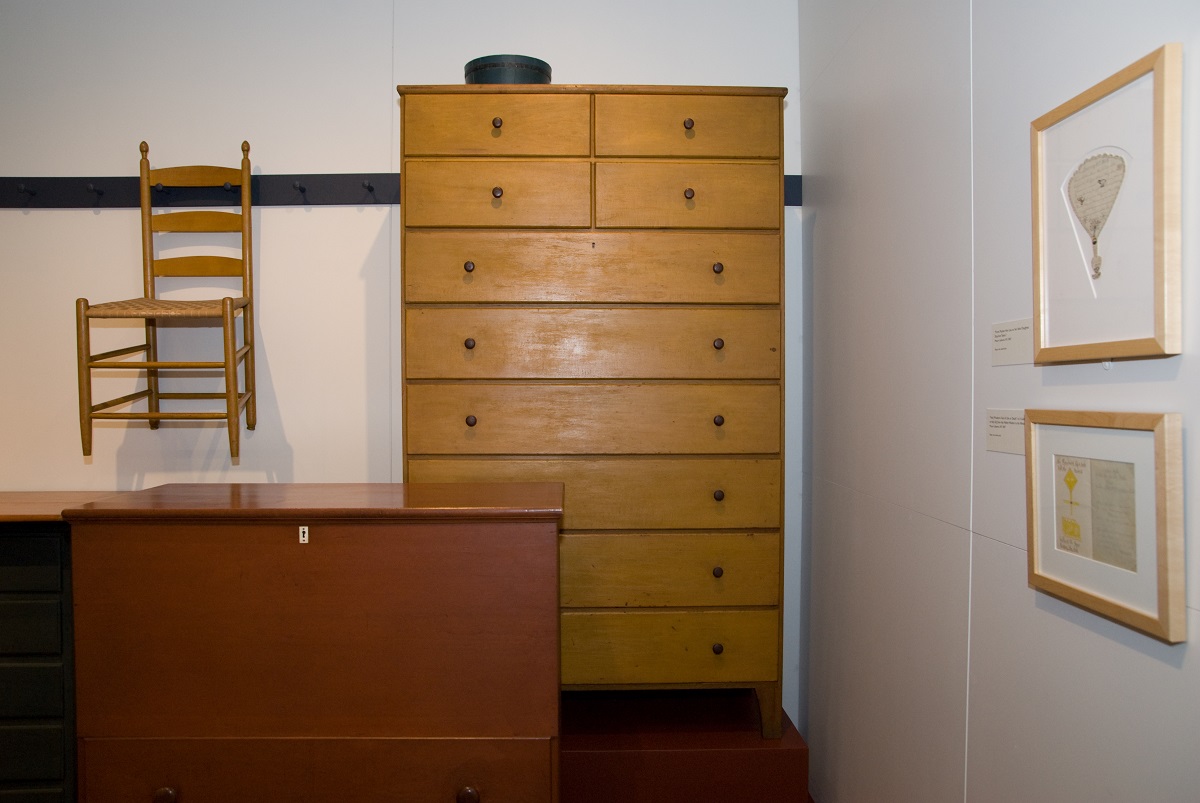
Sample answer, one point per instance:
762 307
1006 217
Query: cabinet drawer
31 690
457 418
558 343
30 563
635 493
657 125
30 627
530 125
655 195
464 193
668 569
631 267
237 770
669 646
31 752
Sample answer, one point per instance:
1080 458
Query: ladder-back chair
151 309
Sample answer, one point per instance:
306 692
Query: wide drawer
635 493
497 125
31 690
496 193
687 125
616 647
458 418
698 195
569 343
608 570
612 266
31 752
30 627
30 562
239 770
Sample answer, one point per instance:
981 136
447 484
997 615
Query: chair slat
204 265
195 176
205 220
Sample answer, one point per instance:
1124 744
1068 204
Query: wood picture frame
1106 188
1104 504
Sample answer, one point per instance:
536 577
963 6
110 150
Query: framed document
1106 171
1104 502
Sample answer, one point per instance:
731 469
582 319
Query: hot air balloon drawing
1092 190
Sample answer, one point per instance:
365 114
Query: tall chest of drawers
591 295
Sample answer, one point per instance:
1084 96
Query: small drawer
687 195
687 125
619 343
456 418
30 627
320 770
496 193
31 690
713 646
635 493
496 125
589 266
668 569
31 752
30 563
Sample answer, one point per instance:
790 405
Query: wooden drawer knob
472 421
165 795
718 267
719 420
718 648
719 495
468 794
497 122
468 266
497 192
469 342
718 344
689 193
718 571
689 123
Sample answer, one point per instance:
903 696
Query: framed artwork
1106 170
1104 499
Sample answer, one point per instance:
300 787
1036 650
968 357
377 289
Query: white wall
311 84
937 673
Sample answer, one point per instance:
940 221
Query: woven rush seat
158 308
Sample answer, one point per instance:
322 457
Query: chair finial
245 148
144 148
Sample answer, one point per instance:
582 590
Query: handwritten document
1094 504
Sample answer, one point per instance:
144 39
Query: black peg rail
308 189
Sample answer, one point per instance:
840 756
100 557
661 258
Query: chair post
232 409
248 365
152 373
83 345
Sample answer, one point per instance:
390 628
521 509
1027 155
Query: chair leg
83 344
248 340
152 373
232 411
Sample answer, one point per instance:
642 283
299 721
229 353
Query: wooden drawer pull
468 266
718 648
497 122
165 795
497 192
719 495
472 421
719 420
688 123
689 193
468 794
718 267
718 344
469 342
718 571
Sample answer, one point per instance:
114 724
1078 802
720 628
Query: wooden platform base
702 746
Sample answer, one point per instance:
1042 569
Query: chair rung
160 416
158 364
132 397
108 355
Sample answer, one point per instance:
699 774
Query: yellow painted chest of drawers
592 278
